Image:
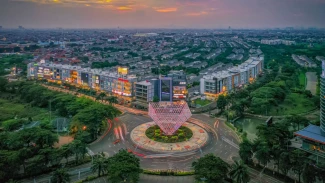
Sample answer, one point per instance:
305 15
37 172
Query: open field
302 79
201 102
293 104
10 110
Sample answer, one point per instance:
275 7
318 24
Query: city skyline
161 14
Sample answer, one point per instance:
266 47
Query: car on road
116 141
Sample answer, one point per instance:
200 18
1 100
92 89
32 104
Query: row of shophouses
225 81
168 88
119 82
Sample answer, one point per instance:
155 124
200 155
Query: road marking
115 152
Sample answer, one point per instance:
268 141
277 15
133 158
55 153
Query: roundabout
140 140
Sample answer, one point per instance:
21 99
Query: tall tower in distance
322 100
230 30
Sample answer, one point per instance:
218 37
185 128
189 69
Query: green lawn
293 104
302 79
201 102
9 110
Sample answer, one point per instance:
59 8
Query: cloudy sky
162 13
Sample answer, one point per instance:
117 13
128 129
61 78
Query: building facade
144 91
179 85
322 99
119 82
220 82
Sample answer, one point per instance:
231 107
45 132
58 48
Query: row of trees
272 146
31 151
213 169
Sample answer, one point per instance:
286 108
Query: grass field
302 79
201 102
293 104
10 110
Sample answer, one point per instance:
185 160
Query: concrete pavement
311 82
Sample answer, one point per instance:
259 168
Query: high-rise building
322 99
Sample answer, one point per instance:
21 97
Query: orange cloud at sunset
197 13
123 8
165 10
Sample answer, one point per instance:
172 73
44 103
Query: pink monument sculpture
169 116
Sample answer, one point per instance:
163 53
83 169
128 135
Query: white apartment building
224 81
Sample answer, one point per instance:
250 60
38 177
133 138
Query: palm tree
100 164
60 176
79 149
239 172
67 151
112 100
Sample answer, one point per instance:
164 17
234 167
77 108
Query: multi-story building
144 91
119 82
165 89
179 85
220 82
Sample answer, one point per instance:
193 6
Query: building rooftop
311 132
145 83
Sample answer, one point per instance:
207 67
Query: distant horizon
162 28
169 14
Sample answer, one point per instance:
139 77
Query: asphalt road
224 144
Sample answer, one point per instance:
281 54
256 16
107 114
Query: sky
162 13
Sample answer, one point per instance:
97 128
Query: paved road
311 82
154 179
224 143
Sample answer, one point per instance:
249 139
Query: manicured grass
201 102
11 109
294 103
182 134
302 79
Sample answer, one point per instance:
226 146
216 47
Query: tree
155 99
66 151
3 84
285 162
297 157
91 117
100 164
79 149
210 167
124 166
60 176
245 150
112 100
262 152
239 172
13 124
102 95
221 102
309 173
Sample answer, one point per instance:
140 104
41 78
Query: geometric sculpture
169 116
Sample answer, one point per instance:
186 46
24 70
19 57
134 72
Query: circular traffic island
189 137
156 134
